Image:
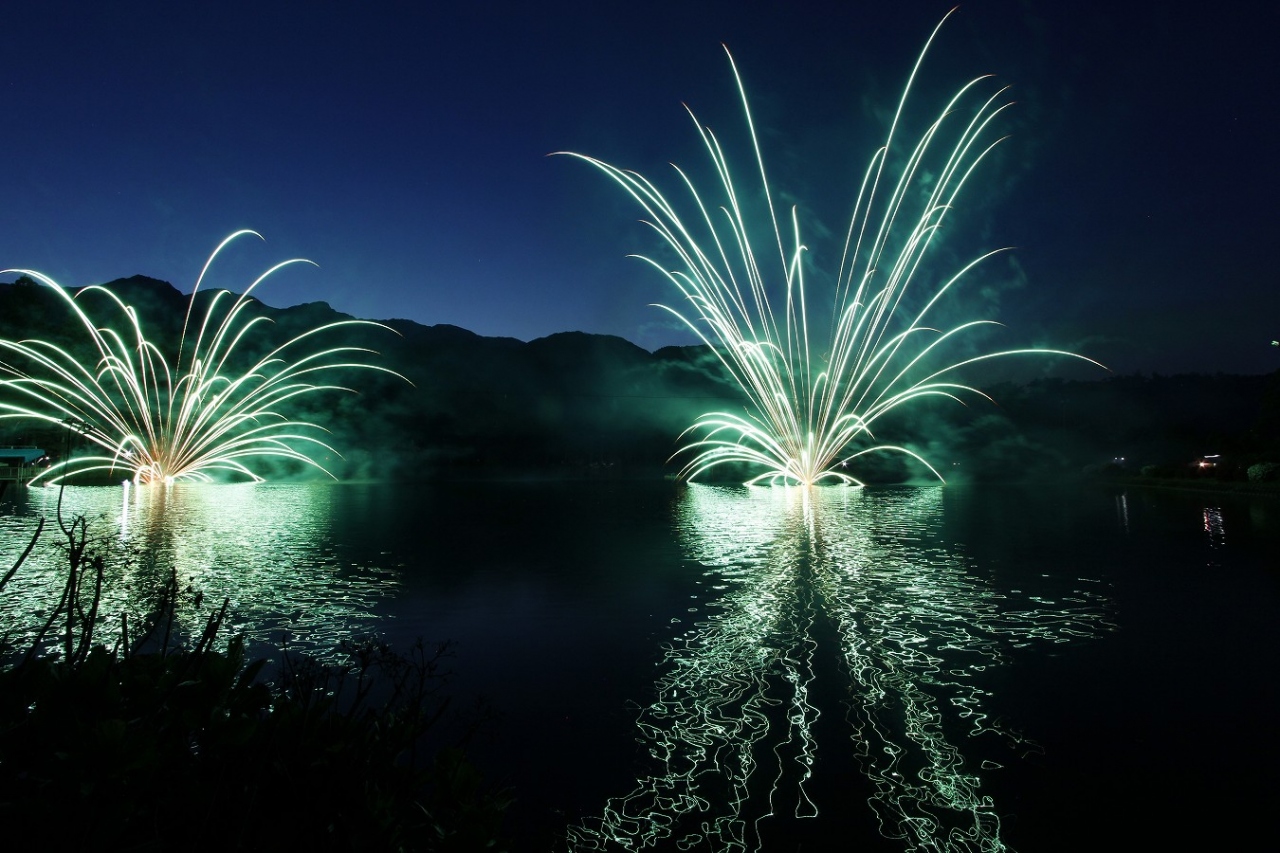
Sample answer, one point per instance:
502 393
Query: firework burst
811 406
187 418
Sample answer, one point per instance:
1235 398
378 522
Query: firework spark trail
810 405
181 421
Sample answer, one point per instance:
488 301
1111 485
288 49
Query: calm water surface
714 668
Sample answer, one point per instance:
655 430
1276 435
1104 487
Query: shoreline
1233 487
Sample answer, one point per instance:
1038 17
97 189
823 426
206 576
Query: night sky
402 147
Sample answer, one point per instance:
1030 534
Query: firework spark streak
163 421
811 408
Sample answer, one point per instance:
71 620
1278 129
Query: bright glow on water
267 547
730 733
869 656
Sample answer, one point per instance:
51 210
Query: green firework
813 396
161 417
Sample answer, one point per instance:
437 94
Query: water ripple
729 736
266 547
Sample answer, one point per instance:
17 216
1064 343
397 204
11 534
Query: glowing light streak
185 418
1122 509
812 405
1214 527
730 734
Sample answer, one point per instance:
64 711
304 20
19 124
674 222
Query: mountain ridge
575 403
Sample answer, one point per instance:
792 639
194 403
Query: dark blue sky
402 146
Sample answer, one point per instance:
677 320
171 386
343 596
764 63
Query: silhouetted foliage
1264 472
150 741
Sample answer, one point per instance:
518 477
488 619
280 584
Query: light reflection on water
731 732
851 631
268 548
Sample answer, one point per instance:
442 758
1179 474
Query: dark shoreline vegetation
154 739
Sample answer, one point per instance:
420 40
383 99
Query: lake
721 668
